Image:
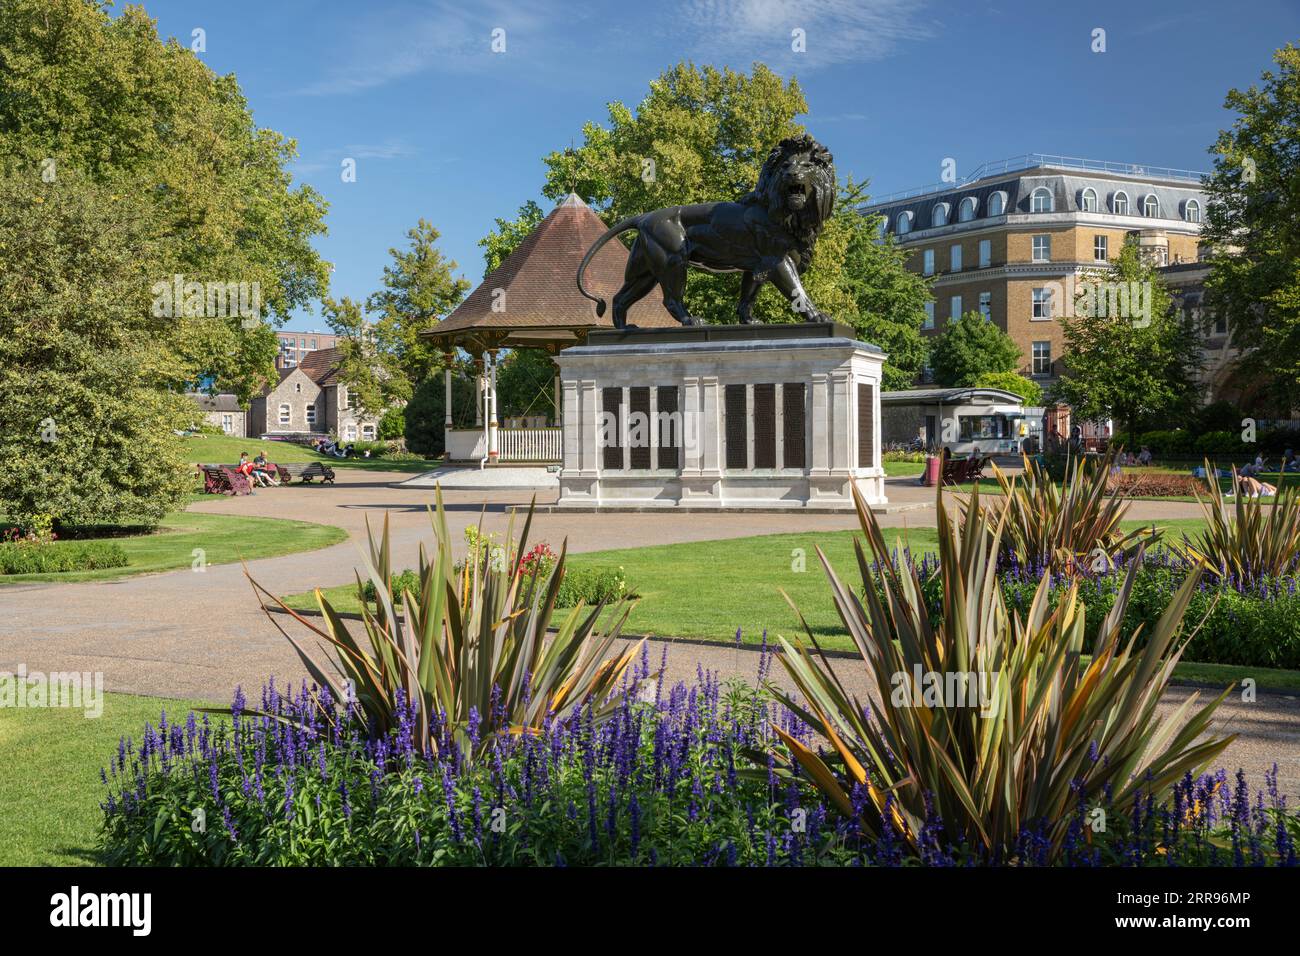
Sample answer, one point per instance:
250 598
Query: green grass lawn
224 450
50 790
897 469
223 538
708 589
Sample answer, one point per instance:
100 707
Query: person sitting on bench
263 472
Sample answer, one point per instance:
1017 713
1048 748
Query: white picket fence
530 444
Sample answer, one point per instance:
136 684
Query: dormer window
904 224
1040 200
1192 211
1151 206
1119 203
939 216
1088 201
966 211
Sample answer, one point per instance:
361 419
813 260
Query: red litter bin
930 477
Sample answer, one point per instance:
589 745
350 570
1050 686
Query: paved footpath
199 634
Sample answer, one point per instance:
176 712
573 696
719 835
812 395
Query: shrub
1058 523
1047 734
682 779
392 424
909 456
1257 541
592 586
470 648
58 556
1175 442
1225 443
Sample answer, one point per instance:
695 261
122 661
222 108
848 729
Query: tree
1253 226
1132 358
88 437
499 243
888 300
104 98
419 288
1026 388
425 414
970 347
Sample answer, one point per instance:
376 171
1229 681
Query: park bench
959 470
219 479
307 472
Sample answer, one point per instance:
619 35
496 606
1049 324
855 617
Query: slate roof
224 402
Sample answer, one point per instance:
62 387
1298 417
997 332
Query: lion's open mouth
796 195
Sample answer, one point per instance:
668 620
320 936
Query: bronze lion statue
768 235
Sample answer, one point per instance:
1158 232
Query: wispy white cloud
442 36
834 31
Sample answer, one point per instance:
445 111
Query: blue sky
443 128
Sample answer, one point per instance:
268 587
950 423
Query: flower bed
1157 485
677 777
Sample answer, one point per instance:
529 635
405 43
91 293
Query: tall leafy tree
1253 226
419 289
86 434
104 97
970 348
1135 365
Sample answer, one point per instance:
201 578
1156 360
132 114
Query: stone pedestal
777 417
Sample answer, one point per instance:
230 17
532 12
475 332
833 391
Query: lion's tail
632 222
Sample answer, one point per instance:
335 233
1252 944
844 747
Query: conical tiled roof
539 283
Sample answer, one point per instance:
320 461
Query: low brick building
310 400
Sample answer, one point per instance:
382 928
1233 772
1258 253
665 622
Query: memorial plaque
639 425
792 424
765 426
611 403
737 428
866 426
670 428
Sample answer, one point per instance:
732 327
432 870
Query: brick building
1012 238
295 346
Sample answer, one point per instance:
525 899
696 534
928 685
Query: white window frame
986 253
350 432
954 258
1100 244
939 215
1119 203
966 210
1192 210
1041 308
986 306
1000 199
1036 360
1088 200
368 432
286 414
954 308
903 224
927 262
1035 242
228 423
1147 201
1041 193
